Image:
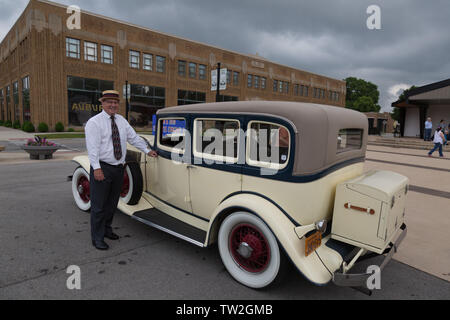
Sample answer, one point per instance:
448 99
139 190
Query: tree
362 95
395 114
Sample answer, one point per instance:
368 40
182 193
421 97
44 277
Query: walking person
438 142
106 140
428 129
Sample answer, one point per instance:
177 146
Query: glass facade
2 111
144 102
16 101
8 101
190 97
26 99
83 95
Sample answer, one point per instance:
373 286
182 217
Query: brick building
49 73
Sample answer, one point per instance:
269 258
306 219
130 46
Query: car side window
216 139
268 145
171 134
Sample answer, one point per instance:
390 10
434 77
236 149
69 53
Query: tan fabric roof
316 126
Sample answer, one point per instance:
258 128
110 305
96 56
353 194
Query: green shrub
43 127
28 127
71 130
59 127
16 124
2 123
8 124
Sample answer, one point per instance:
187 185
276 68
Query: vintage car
270 183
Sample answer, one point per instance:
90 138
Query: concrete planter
40 152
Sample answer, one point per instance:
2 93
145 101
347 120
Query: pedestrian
428 129
107 135
447 134
438 142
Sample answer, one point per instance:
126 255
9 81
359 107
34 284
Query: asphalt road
42 232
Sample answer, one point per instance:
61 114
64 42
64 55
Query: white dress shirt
99 139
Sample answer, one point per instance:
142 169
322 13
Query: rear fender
281 226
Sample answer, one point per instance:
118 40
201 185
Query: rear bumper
360 279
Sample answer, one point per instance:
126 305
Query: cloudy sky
328 37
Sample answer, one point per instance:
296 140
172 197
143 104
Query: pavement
427 245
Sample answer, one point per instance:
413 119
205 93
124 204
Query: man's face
111 106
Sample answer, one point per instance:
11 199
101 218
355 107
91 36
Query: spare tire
133 184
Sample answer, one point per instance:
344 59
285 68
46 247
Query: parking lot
42 233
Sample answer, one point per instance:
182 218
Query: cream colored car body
201 196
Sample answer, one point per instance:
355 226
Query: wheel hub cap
249 248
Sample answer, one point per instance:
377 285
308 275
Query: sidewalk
12 138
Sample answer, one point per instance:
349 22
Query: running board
159 220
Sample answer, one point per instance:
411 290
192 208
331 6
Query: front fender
282 227
84 162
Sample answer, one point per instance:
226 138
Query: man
106 139
428 129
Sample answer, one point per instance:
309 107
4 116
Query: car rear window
349 139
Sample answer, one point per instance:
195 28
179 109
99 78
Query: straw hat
110 94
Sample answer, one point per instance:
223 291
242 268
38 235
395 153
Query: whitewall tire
132 184
249 250
80 189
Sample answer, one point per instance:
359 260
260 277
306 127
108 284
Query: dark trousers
104 199
427 135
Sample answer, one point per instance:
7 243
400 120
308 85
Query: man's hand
98 175
153 154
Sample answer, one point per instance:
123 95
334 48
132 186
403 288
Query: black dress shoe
112 236
100 245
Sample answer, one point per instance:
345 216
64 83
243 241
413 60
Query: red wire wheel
84 189
125 185
249 248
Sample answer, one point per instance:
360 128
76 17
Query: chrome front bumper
359 280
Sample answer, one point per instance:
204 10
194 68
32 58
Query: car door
215 172
167 175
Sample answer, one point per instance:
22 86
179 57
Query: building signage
223 80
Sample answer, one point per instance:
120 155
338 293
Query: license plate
313 242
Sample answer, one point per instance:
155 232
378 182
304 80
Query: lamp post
126 99
218 82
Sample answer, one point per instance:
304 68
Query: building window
275 85
148 61
16 100
190 97
286 87
73 48
235 78
134 59
256 82
26 99
263 83
90 51
296 89
249 81
304 91
280 86
202 72
8 100
83 95
2 112
182 68
192 70
228 76
107 54
160 64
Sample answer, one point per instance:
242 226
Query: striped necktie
116 139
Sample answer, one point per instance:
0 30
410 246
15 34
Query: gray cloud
325 37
